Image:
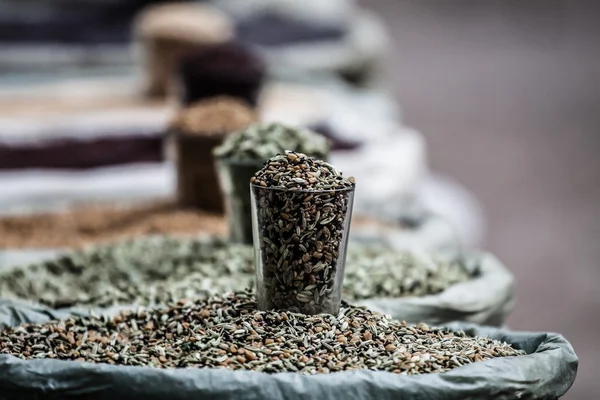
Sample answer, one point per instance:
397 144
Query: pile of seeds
149 271
303 209
377 271
93 224
159 270
263 141
215 116
229 332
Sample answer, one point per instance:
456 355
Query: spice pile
263 141
215 116
93 224
164 269
378 271
148 271
228 332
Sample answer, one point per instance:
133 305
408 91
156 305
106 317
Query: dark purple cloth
78 154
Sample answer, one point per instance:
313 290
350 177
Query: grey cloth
546 373
487 299
15 312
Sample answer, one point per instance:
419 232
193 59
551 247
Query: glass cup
300 242
234 176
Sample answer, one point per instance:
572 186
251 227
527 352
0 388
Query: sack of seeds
412 286
224 348
481 292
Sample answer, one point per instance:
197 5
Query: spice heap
164 269
229 332
303 209
216 116
377 271
263 141
94 224
149 271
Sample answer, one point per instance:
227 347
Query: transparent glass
234 176
300 242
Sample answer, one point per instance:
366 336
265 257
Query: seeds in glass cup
301 211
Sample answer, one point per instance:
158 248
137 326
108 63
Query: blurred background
498 103
507 94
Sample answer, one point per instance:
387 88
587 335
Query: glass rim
338 190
